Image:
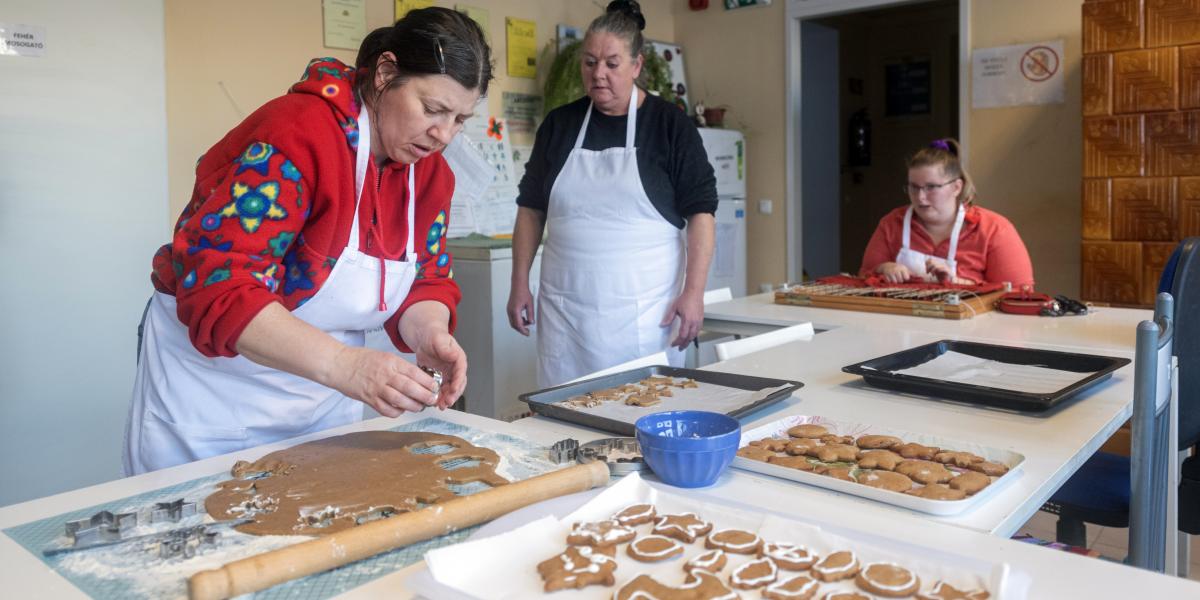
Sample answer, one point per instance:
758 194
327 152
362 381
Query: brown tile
1154 258
1172 22
1097 84
1097 209
1189 77
1144 209
1112 25
1112 146
1145 80
1173 143
1112 272
1189 207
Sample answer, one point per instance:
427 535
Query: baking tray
1012 460
545 402
1093 369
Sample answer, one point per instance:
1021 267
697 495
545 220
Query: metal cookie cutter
101 528
437 379
173 511
185 542
623 455
564 451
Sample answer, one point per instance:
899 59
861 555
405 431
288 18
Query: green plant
564 84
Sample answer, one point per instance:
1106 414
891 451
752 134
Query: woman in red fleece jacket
320 217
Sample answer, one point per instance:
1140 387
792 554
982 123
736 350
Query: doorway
874 86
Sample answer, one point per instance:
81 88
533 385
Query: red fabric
878 282
989 247
295 155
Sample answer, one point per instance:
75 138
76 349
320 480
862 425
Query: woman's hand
520 309
893 272
941 271
382 380
440 351
689 307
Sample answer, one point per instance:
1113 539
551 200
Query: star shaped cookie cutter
102 527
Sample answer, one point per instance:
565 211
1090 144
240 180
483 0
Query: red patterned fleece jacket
272 208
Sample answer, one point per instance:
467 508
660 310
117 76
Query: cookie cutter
174 540
437 379
564 451
173 511
622 454
185 542
101 528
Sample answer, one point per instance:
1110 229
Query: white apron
611 267
187 406
915 261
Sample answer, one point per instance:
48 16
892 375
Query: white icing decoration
693 581
779 587
623 518
714 556
635 546
788 552
603 533
770 576
825 570
912 579
691 530
734 547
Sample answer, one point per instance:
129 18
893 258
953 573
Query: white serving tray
935 507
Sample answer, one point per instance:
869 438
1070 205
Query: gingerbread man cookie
938 491
654 548
878 442
756 453
734 541
800 587
788 556
699 585
835 453
944 591
879 459
808 430
837 566
712 561
754 574
635 514
958 459
914 450
578 567
601 533
986 467
888 580
802 446
970 482
795 462
886 480
685 527
773 444
924 471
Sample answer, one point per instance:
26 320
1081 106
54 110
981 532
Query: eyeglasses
929 188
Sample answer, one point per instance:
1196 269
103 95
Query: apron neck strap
906 235
362 161
958 222
409 255
630 122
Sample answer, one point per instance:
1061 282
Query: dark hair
622 18
427 41
945 153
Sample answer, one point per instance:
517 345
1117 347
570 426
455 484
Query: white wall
82 207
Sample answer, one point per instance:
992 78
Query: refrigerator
726 149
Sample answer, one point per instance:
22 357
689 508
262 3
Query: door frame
798 10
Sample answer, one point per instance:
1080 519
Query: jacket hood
333 81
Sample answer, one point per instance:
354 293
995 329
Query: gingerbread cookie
886 480
877 442
879 459
578 567
944 591
685 527
970 482
687 383
712 561
888 579
756 453
800 587
938 491
734 541
808 430
913 450
837 566
837 439
699 585
654 548
788 556
754 574
635 514
835 453
958 459
643 400
924 471
986 467
601 533
795 462
773 444
802 446
845 596
843 473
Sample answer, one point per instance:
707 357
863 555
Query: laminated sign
1017 75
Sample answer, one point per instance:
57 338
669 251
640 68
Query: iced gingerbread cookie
773 444
924 471
635 514
961 460
734 541
913 450
970 482
795 462
843 473
837 566
685 527
756 453
886 480
654 548
878 442
944 591
845 596
699 585
888 580
712 561
600 533
802 446
578 567
837 439
986 467
754 574
835 453
800 587
788 556
938 491
879 459
808 430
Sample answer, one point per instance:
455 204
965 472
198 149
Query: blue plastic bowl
688 448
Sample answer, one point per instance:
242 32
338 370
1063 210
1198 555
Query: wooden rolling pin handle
272 568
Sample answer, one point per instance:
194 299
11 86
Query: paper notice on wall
345 23
1018 75
490 136
479 15
522 47
485 188
403 6
522 112
472 176
22 40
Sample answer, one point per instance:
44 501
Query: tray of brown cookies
916 471
616 401
633 541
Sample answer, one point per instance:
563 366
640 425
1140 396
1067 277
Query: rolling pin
271 568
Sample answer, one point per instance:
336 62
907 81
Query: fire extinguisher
859 148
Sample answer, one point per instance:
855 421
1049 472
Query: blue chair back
1181 278
1152 479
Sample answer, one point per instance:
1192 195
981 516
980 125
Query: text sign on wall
1017 75
22 40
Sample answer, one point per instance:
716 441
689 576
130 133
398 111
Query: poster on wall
22 40
732 4
345 23
908 87
1024 74
522 112
673 54
522 47
479 15
403 6
566 35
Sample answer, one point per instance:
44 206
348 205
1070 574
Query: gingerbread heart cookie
754 574
808 430
699 585
788 556
879 459
914 450
886 480
837 566
635 514
654 548
944 591
888 580
924 471
970 482
877 442
578 567
712 561
734 541
685 527
800 587
600 533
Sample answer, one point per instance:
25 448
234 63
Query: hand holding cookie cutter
437 381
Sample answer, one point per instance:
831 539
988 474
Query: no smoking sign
1039 63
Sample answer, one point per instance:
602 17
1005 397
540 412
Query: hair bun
629 8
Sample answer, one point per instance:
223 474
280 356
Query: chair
645 361
754 343
718 295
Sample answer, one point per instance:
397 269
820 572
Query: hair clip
940 145
441 58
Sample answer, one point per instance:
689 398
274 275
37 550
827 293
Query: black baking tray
545 402
878 372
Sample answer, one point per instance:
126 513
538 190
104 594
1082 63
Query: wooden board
966 308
